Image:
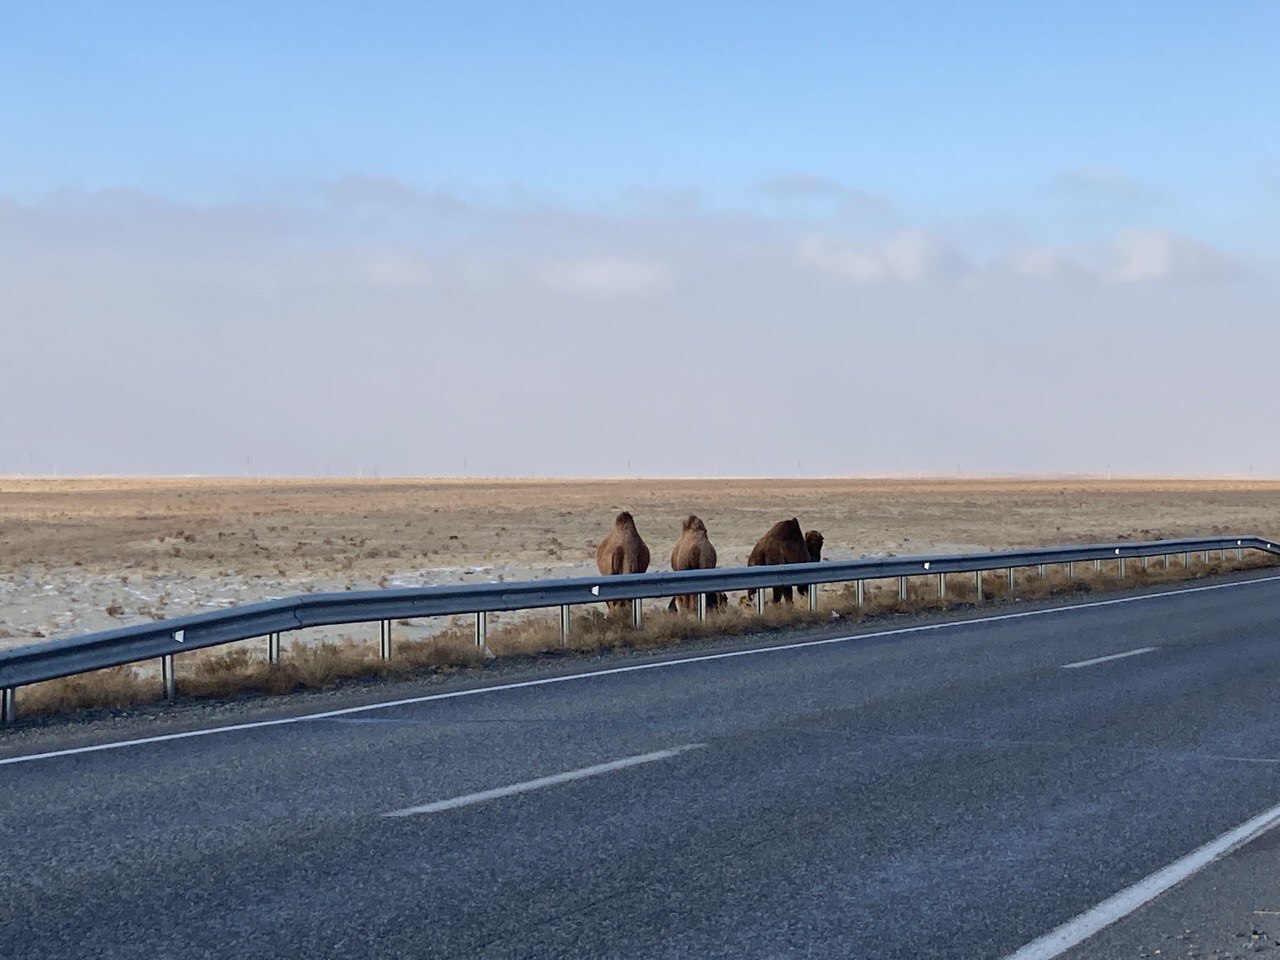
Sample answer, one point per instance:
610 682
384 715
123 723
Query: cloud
906 257
389 192
1041 263
808 188
605 277
1157 256
1099 182
398 271
516 336
802 186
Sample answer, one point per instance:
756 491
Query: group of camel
623 550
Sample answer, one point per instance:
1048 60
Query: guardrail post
760 601
942 586
902 588
1011 586
384 639
1186 560
565 615
482 630
1206 558
637 613
1166 561
166 675
1239 554
1122 568
813 598
977 583
1097 566
860 592
273 647
1144 562
1071 569
700 605
1042 569
8 706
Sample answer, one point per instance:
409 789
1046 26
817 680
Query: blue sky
948 107
171 170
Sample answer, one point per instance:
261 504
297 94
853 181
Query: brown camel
622 551
693 551
813 541
784 543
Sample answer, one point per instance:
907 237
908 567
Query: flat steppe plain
87 554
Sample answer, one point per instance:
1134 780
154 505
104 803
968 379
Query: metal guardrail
166 638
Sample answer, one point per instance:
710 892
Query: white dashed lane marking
1115 656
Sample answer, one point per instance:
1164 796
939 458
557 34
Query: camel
622 551
813 541
784 543
693 551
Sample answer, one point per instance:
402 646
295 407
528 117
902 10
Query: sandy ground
78 555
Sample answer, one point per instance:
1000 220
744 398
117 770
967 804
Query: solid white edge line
612 671
469 799
1058 941
1115 656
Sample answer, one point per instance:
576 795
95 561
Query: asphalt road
950 791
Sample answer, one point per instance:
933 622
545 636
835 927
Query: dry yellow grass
217 674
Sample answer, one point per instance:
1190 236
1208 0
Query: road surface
951 789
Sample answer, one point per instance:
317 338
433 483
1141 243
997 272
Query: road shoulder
1229 909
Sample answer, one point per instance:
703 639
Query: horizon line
615 478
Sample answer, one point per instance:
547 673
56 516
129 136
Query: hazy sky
661 238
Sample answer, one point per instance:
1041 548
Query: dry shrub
319 666
593 630
881 596
112 688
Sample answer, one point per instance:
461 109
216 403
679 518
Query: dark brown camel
784 543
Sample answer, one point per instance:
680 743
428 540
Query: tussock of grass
227 672
112 688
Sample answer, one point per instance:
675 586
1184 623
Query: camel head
813 542
624 519
694 523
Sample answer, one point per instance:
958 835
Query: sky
663 239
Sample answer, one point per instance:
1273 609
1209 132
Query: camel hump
785 530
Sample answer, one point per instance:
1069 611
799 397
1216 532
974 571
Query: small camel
622 551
